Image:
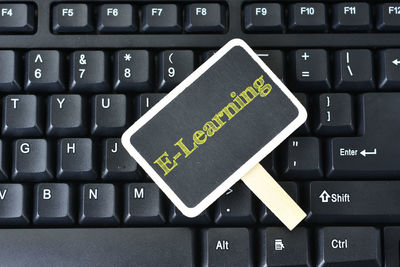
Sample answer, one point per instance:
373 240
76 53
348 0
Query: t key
174 67
44 71
21 116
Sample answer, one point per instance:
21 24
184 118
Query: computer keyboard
75 74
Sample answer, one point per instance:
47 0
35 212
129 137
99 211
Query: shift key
354 201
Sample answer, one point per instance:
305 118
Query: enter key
375 153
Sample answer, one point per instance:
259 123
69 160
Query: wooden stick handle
274 197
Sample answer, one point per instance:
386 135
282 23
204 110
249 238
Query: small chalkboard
214 127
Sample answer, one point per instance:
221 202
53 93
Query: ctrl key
349 246
227 247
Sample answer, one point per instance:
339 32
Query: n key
44 71
174 67
21 116
98 205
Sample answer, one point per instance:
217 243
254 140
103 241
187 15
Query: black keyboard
75 74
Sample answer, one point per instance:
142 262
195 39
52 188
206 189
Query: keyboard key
13 205
388 17
235 207
349 246
32 161
310 71
307 17
389 69
269 164
162 18
174 67
10 71
17 18
117 18
205 18
176 217
117 163
354 70
354 202
275 60
266 216
72 18
75 159
133 71
89 72
98 205
391 246
335 116
21 116
281 247
305 128
3 162
109 114
354 17
143 204
53 204
44 71
66 115
100 246
373 154
227 247
302 158
147 101
263 18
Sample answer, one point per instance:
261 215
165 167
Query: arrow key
389 69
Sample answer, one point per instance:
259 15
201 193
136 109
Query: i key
307 17
89 72
310 71
13 204
117 163
354 70
72 18
335 115
66 115
53 204
174 67
147 101
44 71
32 161
21 116
109 114
161 18
143 204
75 159
98 205
133 71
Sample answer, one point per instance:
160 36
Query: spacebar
96 247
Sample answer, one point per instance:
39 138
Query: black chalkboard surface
214 127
